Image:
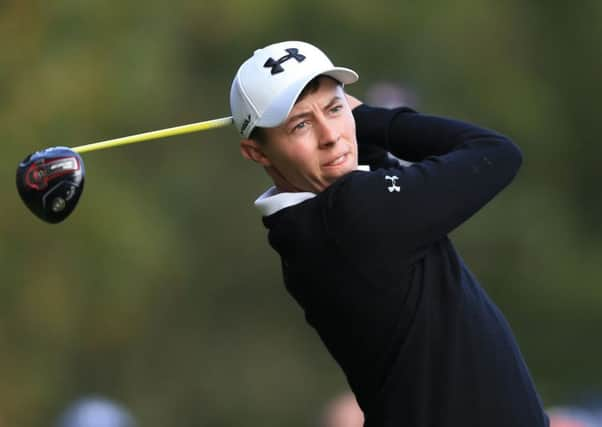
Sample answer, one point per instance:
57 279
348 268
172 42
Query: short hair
258 133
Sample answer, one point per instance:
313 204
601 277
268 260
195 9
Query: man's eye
299 126
336 108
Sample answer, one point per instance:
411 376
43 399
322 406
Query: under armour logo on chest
276 66
393 186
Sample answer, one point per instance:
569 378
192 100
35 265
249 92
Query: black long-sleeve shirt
369 261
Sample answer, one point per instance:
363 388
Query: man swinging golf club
365 252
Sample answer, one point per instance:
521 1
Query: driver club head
50 182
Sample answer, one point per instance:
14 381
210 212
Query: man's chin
345 170
333 177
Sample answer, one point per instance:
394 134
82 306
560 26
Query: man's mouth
337 161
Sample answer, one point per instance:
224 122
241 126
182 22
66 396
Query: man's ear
251 150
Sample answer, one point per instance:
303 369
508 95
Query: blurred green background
161 292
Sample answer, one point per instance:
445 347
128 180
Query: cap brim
279 109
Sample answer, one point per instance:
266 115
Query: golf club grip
162 133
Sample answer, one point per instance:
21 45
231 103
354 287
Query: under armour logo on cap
276 65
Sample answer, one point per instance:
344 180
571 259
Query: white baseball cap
268 84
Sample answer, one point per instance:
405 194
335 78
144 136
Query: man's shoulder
273 201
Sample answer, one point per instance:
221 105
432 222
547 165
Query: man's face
315 145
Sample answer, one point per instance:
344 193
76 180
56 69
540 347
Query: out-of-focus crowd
341 411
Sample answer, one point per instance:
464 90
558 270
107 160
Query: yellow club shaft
162 133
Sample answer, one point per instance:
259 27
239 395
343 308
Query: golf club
51 181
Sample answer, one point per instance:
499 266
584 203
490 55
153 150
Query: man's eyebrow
298 116
333 101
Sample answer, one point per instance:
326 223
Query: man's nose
328 133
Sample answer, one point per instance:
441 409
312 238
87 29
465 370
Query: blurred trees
161 290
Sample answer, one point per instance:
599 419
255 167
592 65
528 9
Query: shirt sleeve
458 168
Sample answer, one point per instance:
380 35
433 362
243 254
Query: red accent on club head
40 181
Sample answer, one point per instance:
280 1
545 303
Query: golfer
365 248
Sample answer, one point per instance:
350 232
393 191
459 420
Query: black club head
50 182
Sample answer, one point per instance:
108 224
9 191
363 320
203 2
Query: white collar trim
272 201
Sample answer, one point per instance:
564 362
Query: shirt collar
272 200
